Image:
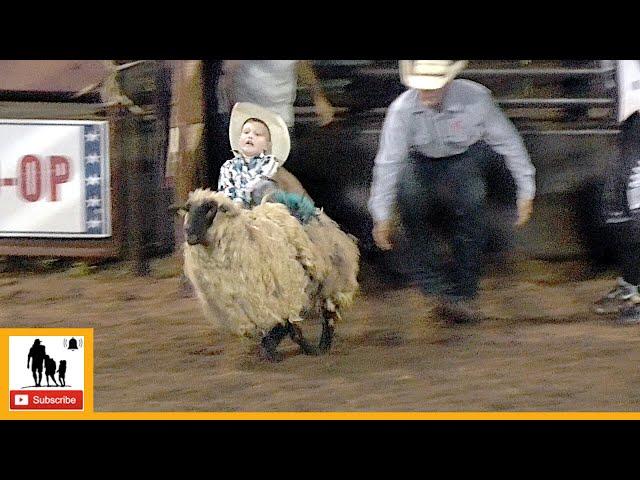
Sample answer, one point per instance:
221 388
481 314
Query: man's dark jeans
623 173
441 203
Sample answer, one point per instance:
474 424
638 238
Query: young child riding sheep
260 141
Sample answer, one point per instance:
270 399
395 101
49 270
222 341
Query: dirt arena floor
540 348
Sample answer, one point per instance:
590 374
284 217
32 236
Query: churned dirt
540 348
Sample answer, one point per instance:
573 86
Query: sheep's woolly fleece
262 267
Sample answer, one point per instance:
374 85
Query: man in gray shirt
427 167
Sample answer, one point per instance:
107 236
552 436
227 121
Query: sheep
258 272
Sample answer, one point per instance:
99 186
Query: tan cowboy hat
280 141
429 74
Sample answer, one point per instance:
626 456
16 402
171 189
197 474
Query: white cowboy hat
280 141
429 74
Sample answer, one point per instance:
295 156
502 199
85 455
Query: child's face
254 139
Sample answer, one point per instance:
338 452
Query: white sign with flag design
54 179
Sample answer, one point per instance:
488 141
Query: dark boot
459 311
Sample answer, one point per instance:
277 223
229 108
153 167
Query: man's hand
324 110
307 77
382 232
525 208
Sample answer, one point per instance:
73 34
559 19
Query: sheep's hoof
270 355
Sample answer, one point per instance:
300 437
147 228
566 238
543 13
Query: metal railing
486 72
603 78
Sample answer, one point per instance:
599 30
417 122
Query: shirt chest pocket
421 131
460 129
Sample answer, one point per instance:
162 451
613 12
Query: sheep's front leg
328 322
271 341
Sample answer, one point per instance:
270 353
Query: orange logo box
49 372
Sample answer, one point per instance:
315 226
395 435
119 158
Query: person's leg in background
624 297
630 269
216 129
630 241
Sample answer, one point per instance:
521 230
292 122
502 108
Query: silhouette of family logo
38 359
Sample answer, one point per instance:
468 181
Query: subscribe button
46 400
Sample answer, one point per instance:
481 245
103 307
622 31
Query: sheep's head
200 212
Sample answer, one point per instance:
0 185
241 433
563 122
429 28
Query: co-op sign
54 179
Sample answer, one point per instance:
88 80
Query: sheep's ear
179 209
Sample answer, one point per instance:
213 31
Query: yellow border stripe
89 414
371 416
322 416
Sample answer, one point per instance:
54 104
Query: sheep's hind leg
271 341
325 338
296 335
